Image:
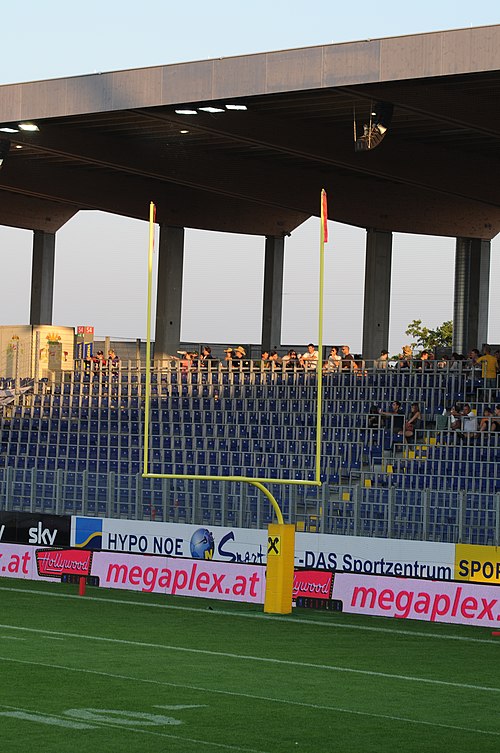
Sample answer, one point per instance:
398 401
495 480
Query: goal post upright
281 536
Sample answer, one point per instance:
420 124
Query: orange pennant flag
324 215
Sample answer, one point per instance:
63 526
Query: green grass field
118 671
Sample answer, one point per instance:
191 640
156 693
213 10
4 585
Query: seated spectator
485 424
348 362
374 420
334 361
405 358
394 418
413 422
495 422
382 361
309 360
455 417
468 429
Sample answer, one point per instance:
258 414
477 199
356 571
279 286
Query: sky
101 259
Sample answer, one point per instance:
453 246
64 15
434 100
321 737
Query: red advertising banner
315 584
53 563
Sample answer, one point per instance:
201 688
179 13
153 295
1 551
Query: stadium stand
76 446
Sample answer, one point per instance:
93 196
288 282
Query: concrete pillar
42 277
377 293
169 299
471 301
272 307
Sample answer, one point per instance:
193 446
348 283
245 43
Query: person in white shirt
309 360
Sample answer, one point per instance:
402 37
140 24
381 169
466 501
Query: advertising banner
477 563
206 579
30 528
354 554
315 584
134 572
430 601
55 563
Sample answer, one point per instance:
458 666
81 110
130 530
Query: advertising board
30 528
356 554
182 577
430 601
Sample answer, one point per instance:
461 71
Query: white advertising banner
354 554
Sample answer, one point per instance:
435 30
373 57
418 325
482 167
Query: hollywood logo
316 584
53 563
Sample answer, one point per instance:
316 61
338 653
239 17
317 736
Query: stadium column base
279 575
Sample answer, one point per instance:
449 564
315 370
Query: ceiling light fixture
8 129
28 127
236 107
186 112
210 109
184 131
376 129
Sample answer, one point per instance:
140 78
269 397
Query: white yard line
250 696
260 659
261 616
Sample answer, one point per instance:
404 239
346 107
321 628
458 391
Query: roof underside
114 142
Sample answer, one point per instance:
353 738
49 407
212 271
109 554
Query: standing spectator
382 361
113 360
309 360
274 359
348 362
334 361
489 368
291 360
206 359
405 358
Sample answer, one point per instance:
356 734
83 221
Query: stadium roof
114 141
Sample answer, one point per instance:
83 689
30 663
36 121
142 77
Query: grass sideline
121 671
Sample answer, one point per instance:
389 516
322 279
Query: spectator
291 360
264 362
309 360
405 358
485 423
495 423
413 422
334 361
239 358
348 362
206 359
100 360
394 417
382 361
489 368
113 360
468 429
274 359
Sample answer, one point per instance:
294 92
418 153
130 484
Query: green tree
428 339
